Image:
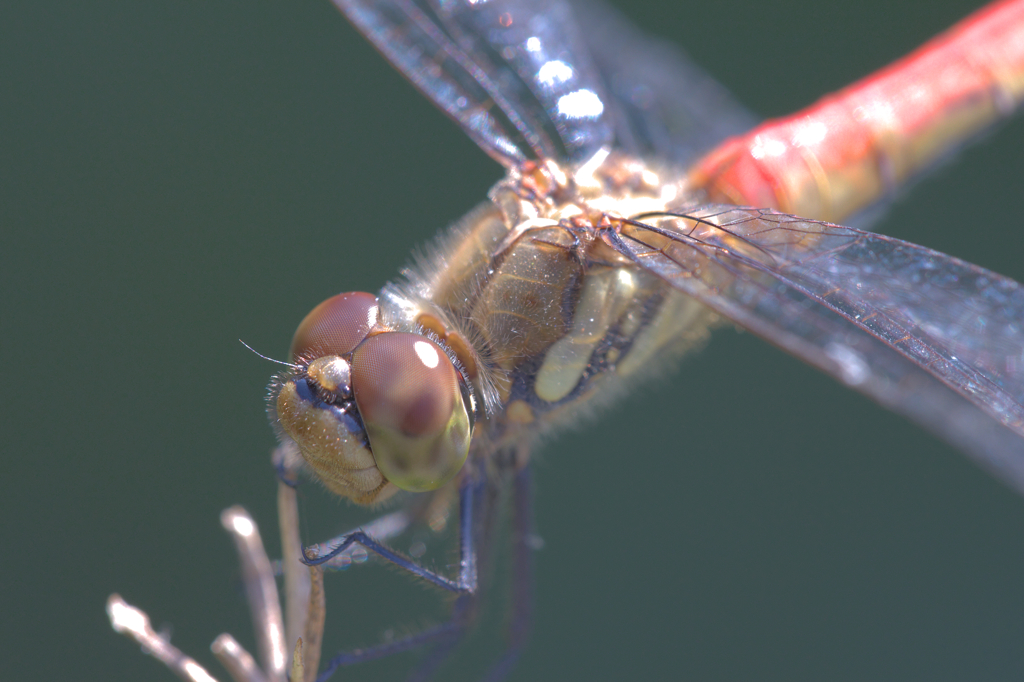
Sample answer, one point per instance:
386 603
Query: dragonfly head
371 406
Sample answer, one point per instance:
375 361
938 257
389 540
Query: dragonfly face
372 409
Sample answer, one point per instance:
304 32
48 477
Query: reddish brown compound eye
411 402
335 327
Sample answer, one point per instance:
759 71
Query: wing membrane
535 49
513 73
415 43
668 107
925 334
549 78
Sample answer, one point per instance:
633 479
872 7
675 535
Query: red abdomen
852 147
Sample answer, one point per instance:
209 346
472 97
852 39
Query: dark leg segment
446 635
522 578
462 615
467 580
442 633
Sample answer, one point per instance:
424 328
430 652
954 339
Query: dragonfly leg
465 610
462 616
382 528
467 578
465 585
524 542
442 633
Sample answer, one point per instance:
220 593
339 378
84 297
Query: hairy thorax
546 318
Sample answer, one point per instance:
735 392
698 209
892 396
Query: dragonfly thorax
555 320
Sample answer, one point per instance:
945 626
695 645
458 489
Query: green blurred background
179 175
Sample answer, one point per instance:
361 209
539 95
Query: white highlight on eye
580 104
427 354
533 44
767 147
626 278
554 72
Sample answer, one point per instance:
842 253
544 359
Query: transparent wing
537 52
666 106
538 78
514 74
411 38
925 334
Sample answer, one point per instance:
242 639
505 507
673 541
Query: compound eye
410 399
335 327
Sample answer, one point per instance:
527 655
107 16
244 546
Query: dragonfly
620 237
